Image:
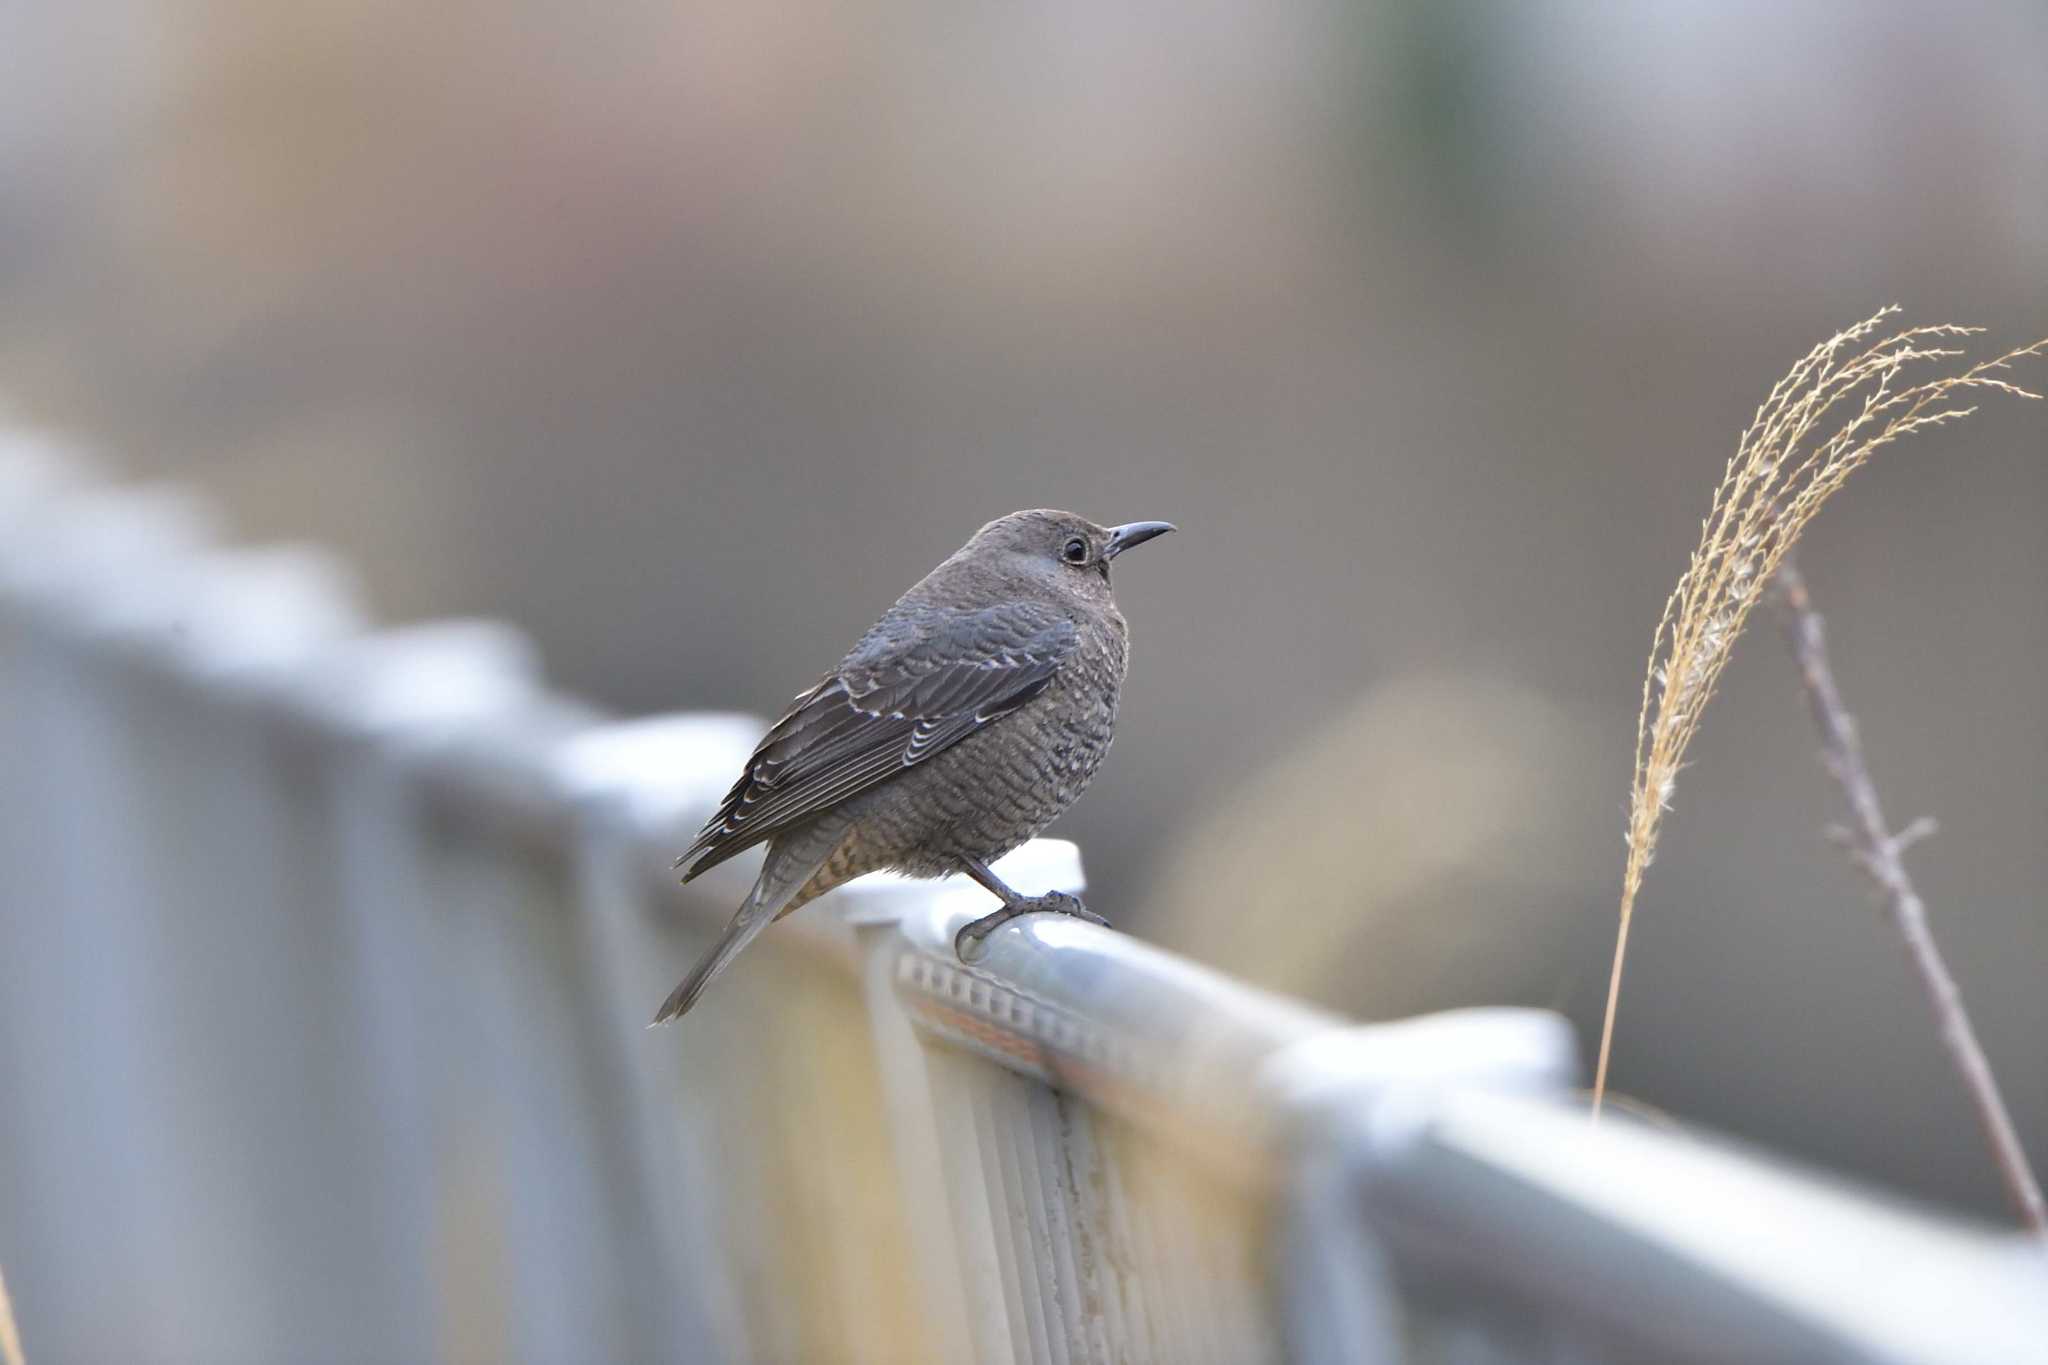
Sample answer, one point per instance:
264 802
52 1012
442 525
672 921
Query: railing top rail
1682 1247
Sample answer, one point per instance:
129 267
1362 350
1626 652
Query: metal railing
325 955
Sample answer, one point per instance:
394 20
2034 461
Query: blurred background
687 335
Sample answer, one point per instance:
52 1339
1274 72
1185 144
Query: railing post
88 1080
364 719
629 783
958 1277
1048 1228
758 1114
1335 1279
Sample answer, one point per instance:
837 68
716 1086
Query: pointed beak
1131 533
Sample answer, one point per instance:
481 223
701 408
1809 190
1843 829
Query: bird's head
1057 552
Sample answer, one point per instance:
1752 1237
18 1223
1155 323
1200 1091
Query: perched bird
971 715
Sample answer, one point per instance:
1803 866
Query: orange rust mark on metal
1002 1040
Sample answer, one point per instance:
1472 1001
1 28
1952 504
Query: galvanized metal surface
325 958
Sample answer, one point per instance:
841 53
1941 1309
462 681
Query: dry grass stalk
1796 452
10 1336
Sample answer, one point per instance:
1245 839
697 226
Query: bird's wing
916 684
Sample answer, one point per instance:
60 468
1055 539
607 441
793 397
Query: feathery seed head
1795 453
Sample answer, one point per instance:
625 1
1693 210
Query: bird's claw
969 942
972 938
1060 903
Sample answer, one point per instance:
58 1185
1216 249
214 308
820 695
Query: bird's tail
782 878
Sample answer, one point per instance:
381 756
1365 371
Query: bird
966 720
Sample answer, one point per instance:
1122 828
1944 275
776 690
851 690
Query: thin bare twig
1875 849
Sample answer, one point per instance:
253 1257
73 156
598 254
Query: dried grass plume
1840 404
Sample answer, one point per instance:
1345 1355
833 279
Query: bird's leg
967 943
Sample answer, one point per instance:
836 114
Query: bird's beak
1131 533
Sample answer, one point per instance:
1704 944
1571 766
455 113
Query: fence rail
325 954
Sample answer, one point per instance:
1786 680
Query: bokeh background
687 335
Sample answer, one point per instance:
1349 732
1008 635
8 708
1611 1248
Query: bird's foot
968 943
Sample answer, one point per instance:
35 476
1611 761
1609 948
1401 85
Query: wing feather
918 683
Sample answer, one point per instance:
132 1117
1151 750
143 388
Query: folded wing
916 684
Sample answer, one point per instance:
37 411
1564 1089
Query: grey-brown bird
971 715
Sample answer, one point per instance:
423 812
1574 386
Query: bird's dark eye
1075 551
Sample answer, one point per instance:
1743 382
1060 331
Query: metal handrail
1099 1149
